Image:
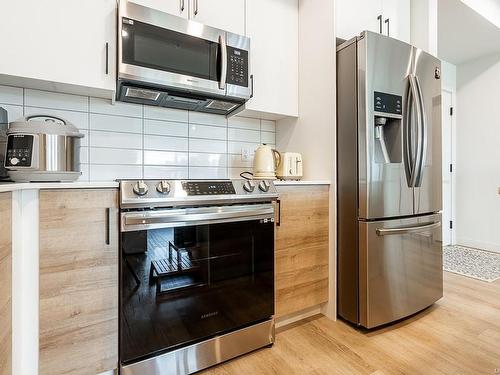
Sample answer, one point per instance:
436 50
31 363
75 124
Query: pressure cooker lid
42 124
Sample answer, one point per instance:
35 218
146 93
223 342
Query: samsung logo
210 314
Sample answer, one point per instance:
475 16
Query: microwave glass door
158 48
184 284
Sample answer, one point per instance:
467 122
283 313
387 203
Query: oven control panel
170 193
237 66
208 187
19 150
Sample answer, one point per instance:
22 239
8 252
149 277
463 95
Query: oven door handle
195 216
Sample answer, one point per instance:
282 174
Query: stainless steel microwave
169 61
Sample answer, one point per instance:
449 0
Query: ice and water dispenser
388 120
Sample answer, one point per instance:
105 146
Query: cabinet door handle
108 226
182 5
195 7
278 203
107 58
388 22
379 18
251 82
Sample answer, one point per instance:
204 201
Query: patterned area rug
478 264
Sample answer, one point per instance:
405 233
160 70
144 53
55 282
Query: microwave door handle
223 62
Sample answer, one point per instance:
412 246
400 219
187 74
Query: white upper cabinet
273 28
223 14
354 16
60 44
175 7
390 17
397 19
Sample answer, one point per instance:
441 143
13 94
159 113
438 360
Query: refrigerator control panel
388 103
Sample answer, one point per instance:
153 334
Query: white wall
478 153
489 9
313 133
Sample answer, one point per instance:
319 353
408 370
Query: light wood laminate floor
458 335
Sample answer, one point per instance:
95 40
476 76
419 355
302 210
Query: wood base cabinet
5 283
302 248
78 281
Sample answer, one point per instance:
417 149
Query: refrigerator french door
389 180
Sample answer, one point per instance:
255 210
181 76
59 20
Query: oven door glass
158 48
185 284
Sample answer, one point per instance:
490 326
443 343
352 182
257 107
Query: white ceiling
463 34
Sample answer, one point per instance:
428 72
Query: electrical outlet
246 153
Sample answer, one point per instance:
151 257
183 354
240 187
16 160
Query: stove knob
14 161
264 186
163 187
140 188
249 186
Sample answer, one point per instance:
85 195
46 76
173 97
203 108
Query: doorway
448 134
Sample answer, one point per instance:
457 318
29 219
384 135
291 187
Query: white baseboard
295 317
478 244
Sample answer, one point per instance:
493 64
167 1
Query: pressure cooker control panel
19 150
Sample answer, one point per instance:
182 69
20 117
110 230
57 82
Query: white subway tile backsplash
207 119
11 95
156 142
207 160
268 138
244 123
115 123
207 173
166 114
165 158
113 172
165 172
48 99
115 156
115 140
236 147
207 131
124 140
236 161
79 119
85 172
104 106
207 145
14 112
243 135
268 125
84 155
168 128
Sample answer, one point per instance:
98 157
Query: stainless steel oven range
196 273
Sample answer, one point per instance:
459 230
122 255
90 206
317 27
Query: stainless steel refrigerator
389 180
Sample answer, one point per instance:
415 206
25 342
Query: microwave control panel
237 66
19 150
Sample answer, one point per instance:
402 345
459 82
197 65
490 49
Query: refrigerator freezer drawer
400 268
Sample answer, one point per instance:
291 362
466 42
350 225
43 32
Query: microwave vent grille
139 93
221 105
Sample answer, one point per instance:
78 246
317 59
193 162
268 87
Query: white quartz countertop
301 182
9 186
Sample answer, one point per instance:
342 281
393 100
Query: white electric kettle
265 162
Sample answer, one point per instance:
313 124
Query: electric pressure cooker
43 148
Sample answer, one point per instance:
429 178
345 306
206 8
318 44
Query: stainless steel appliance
389 180
172 62
3 141
43 148
197 273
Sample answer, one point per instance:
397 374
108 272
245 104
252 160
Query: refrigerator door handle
407 155
404 230
416 104
422 136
